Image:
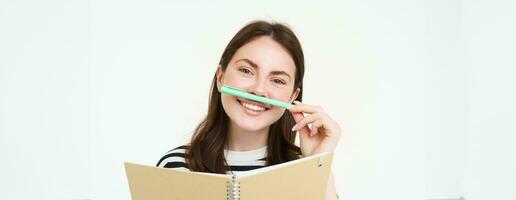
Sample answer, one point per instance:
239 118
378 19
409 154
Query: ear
294 95
220 77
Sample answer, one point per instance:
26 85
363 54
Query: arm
322 136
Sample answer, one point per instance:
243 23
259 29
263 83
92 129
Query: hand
324 133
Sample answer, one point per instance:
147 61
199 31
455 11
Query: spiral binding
233 190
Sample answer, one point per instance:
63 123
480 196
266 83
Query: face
262 67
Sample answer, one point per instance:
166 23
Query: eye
279 81
244 70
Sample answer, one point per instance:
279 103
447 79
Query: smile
252 106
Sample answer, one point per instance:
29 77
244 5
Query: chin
250 125
255 124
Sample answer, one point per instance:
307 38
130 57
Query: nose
258 90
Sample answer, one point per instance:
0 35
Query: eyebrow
254 65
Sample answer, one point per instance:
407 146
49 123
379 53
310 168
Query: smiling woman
264 59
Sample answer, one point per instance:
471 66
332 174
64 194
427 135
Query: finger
305 130
298 117
307 120
315 127
304 108
299 107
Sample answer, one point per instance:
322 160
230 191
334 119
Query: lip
252 112
267 107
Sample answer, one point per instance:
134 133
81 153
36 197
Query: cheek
280 95
236 81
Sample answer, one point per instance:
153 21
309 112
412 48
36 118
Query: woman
264 59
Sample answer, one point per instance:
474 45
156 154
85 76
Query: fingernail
294 128
297 102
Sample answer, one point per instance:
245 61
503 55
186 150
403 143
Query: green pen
241 93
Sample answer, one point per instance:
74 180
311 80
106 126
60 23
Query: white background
423 90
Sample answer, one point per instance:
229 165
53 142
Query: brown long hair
206 149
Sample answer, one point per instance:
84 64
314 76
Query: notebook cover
154 183
303 180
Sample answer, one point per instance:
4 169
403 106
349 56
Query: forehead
268 54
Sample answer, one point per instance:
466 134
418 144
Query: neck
245 140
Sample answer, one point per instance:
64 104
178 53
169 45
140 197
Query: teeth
253 107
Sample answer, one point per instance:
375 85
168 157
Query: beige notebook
305 178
